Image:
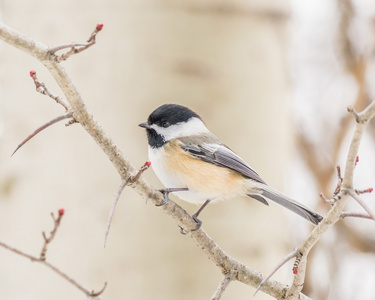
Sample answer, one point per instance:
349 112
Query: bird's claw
166 197
199 225
166 192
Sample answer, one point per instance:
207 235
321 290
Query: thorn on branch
41 128
96 294
123 184
74 47
48 240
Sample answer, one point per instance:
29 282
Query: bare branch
41 88
340 199
19 252
52 233
42 260
76 48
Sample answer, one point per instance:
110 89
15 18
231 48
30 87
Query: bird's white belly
172 179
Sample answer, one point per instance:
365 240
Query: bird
192 163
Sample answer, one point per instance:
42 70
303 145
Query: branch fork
42 258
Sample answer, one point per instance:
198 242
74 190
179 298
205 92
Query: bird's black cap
171 113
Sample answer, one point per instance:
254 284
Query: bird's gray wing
220 155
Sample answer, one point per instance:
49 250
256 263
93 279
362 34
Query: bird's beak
144 125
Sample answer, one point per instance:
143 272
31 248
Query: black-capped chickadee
194 164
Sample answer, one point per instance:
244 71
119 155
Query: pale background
231 63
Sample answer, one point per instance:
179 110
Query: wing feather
221 155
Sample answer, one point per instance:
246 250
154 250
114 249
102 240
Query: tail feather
290 204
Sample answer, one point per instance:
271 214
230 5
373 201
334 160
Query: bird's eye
165 124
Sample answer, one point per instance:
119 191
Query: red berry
99 26
148 163
61 211
32 73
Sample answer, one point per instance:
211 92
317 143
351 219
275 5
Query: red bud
32 73
148 163
99 26
61 211
295 271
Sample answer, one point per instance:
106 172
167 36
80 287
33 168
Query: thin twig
42 260
19 252
41 128
288 257
228 278
75 48
53 50
41 88
325 200
365 191
362 203
123 184
49 239
344 215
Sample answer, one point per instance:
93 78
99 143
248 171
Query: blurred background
272 79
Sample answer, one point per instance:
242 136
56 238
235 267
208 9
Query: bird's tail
271 194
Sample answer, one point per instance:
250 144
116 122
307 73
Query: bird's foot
166 192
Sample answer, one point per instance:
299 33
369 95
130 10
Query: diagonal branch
362 119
